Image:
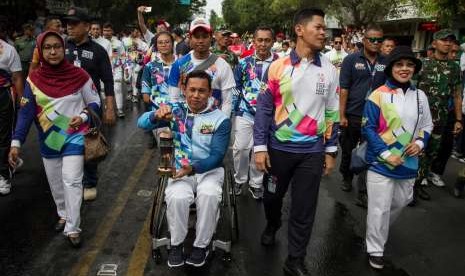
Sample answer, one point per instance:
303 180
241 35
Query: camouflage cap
443 34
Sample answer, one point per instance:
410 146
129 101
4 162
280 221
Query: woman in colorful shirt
156 73
396 124
57 97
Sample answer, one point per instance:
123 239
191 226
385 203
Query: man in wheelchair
201 138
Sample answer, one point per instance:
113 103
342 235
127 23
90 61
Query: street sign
185 2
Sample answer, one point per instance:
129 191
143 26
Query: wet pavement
426 240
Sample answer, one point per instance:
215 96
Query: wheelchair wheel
233 202
228 215
158 223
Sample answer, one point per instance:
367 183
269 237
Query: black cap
77 14
398 53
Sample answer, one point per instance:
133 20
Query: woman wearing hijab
57 97
396 124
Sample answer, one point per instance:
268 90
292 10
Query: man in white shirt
337 54
10 76
96 34
201 58
117 58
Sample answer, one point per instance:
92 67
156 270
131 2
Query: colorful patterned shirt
392 119
118 53
439 79
154 82
250 75
299 111
200 140
52 117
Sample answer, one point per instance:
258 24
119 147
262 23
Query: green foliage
124 12
246 15
362 12
215 20
446 11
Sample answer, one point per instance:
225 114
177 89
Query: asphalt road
426 240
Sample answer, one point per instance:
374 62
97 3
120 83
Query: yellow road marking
83 266
140 254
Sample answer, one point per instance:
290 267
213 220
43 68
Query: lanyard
372 71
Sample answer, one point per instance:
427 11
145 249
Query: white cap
200 23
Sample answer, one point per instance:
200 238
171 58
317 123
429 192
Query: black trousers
445 149
7 114
303 171
349 138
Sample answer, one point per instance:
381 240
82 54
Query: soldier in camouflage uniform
25 45
223 41
440 80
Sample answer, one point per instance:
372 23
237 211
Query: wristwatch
332 154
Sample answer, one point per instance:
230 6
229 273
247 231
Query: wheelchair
227 228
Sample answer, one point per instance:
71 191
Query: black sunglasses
375 39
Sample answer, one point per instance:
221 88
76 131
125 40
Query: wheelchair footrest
156 243
223 245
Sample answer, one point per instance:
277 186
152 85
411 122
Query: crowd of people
287 105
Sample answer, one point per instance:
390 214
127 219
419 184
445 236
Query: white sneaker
436 180
424 182
461 160
5 186
90 194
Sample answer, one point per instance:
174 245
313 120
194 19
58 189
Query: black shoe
458 189
198 256
75 241
422 193
346 185
362 200
295 267
268 235
376 262
176 256
60 225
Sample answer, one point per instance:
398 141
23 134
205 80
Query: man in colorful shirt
117 59
136 49
201 58
201 139
250 75
10 77
440 80
295 134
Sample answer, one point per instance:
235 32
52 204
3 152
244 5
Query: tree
246 15
215 20
445 11
363 12
123 12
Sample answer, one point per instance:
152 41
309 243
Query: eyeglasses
375 39
49 47
337 42
163 42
